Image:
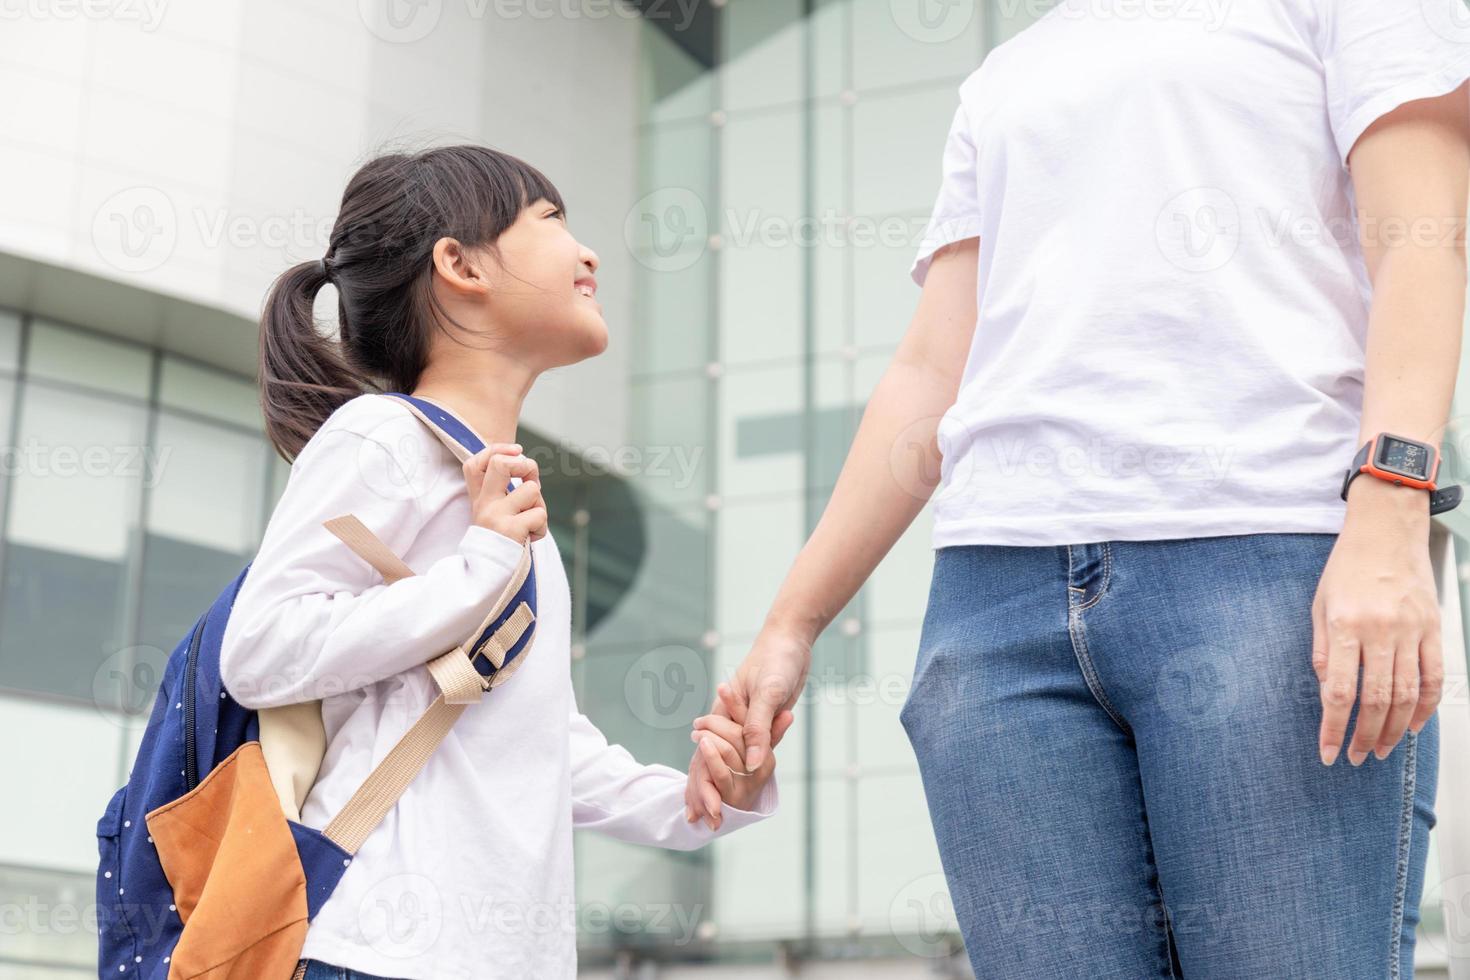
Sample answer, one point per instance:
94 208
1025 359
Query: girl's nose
590 258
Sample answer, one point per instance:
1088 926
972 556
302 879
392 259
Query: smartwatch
1404 462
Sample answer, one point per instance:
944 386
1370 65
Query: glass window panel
55 823
879 742
50 919
755 545
674 85
898 148
72 530
761 263
899 874
203 523
834 812
670 425
837 233
9 340
658 559
207 391
902 43
761 434
884 297
762 60
1011 19
759 888
673 313
831 28
81 358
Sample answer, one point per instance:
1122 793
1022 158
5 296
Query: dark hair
379 257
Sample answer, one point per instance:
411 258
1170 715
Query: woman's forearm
1414 343
1411 178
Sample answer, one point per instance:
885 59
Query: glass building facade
788 156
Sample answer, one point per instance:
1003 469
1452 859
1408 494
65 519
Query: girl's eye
555 213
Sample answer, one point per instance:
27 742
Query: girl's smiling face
536 288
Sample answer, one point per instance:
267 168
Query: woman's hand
718 739
725 722
1376 605
517 514
758 698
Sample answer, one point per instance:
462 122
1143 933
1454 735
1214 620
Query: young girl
458 282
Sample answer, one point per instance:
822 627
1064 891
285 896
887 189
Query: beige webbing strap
376 796
504 638
369 547
300 971
457 677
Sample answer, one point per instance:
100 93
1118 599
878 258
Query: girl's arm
312 618
1376 603
614 794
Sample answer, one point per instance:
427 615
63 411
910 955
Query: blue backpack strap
497 650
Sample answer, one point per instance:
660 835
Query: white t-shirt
1173 302
470 874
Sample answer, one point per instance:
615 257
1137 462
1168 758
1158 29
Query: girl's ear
459 268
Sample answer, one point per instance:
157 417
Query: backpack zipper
191 765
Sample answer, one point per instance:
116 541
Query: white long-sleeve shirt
470 874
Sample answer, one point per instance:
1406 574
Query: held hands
758 699
1376 605
518 514
720 755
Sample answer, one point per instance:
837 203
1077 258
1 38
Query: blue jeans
317 970
1118 744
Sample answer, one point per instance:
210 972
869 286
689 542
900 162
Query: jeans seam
1075 631
1107 577
1401 863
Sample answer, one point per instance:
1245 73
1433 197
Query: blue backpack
202 872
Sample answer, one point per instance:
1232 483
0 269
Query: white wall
198 147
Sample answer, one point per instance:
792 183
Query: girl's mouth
586 286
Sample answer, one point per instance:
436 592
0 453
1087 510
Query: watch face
1406 458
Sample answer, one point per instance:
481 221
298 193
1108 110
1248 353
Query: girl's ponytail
380 258
303 374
